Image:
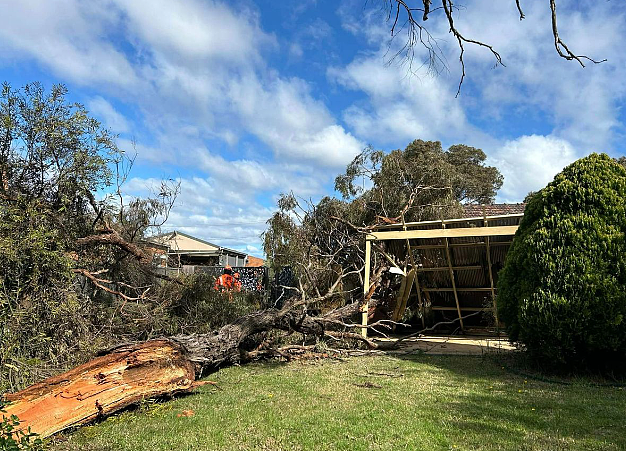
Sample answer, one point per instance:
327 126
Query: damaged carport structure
449 266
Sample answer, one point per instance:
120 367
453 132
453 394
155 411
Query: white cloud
191 32
207 209
111 118
582 104
529 163
187 62
67 36
577 109
401 107
285 115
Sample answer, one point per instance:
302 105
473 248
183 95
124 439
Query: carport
450 265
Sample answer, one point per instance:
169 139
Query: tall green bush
562 292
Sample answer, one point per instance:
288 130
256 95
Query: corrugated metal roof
468 258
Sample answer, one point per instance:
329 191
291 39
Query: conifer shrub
562 291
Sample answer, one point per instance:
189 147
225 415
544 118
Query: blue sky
243 100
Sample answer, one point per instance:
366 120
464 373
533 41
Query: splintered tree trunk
130 373
102 386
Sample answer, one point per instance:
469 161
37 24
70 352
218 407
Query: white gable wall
182 243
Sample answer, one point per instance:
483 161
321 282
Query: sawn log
130 373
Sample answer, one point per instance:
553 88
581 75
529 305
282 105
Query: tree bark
129 373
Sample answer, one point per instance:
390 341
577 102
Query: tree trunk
129 373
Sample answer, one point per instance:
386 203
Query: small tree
562 292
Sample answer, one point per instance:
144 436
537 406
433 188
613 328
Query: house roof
171 235
475 211
254 262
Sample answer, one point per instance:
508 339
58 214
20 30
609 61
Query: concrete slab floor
454 345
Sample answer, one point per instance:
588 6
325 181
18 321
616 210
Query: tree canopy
70 242
421 182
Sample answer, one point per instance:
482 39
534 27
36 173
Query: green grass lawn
434 403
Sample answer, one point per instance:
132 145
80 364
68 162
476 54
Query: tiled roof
472 211
254 262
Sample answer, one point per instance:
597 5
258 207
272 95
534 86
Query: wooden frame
447 231
444 233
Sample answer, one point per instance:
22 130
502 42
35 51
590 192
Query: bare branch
110 237
448 7
102 284
561 47
519 9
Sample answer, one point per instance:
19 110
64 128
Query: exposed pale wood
415 280
420 302
102 386
435 290
456 294
403 294
366 287
449 221
130 373
445 268
444 233
399 296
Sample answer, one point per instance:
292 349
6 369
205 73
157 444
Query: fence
252 279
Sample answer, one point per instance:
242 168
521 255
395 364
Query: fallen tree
163 367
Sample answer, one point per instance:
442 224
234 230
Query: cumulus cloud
291 121
192 31
210 210
401 107
66 36
572 110
110 117
188 62
580 104
529 163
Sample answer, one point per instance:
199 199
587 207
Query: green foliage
53 156
199 308
562 291
38 310
433 182
55 162
14 439
321 241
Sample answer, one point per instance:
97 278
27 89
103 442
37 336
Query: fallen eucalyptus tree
131 372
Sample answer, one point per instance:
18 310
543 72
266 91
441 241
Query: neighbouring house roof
254 262
475 211
182 243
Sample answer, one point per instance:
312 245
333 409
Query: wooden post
366 286
415 280
420 303
456 295
493 291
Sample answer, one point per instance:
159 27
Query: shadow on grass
494 398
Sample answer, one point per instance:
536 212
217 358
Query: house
186 250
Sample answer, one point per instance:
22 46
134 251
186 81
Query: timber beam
462 232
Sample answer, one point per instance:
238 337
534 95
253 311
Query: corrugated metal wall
468 256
